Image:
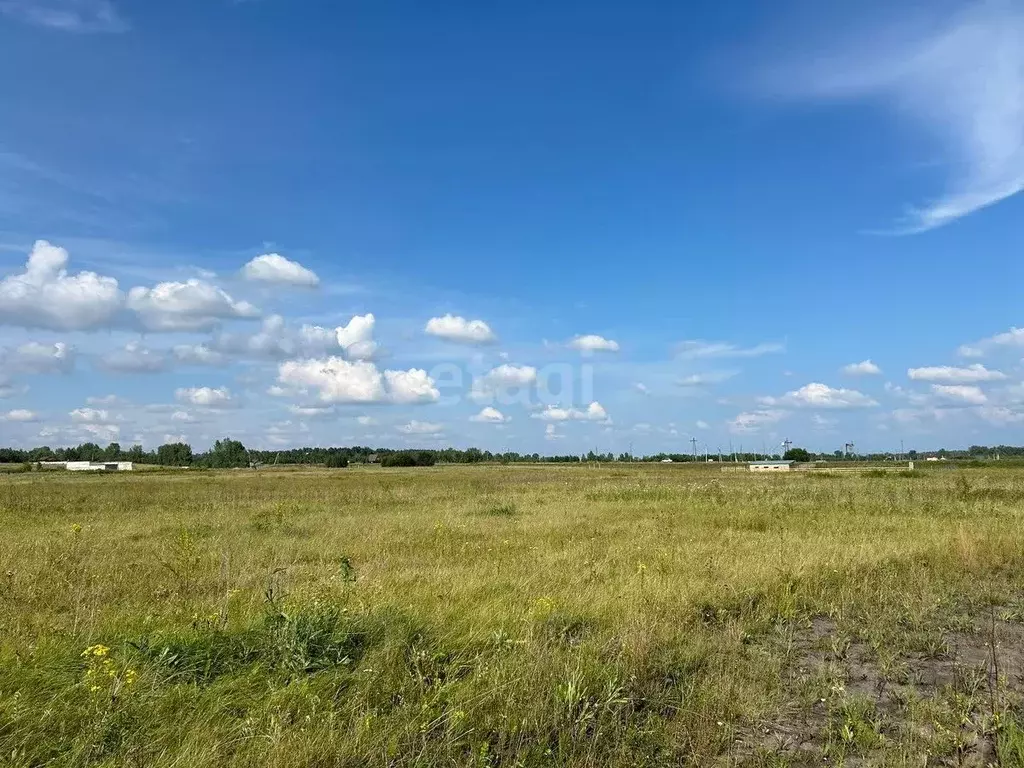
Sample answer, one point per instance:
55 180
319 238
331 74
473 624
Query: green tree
228 453
112 452
174 455
796 454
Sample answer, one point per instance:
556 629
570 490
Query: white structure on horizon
770 466
90 466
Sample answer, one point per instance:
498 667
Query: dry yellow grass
578 615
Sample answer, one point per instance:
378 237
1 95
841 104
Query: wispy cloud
695 349
82 16
961 81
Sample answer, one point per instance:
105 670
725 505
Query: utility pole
693 442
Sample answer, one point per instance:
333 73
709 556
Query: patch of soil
852 703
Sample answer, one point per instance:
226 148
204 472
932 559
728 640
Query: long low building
89 466
770 466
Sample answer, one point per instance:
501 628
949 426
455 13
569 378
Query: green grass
482 616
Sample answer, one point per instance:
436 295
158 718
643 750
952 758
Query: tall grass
620 616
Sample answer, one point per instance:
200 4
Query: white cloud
275 268
34 357
198 354
1011 338
460 330
276 341
703 425
961 393
952 375
752 421
366 421
104 400
593 412
359 381
696 349
79 16
823 422
504 377
184 417
105 433
421 428
816 395
356 338
863 368
552 433
205 397
194 305
594 343
20 415
960 81
89 416
705 379
133 358
412 386
490 415
641 388
46 296
308 411
1000 415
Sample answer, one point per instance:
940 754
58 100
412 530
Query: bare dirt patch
930 699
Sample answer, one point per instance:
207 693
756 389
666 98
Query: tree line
228 453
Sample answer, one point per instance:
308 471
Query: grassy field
620 615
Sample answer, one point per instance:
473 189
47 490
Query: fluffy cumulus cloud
968 394
951 375
502 379
753 421
594 343
206 397
133 357
34 357
356 338
194 305
863 368
489 415
551 433
697 349
817 395
593 412
46 296
460 330
275 268
415 427
20 415
337 380
412 386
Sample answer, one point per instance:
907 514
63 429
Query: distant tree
408 459
796 454
174 455
335 461
228 453
112 452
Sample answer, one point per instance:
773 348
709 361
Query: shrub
408 459
335 461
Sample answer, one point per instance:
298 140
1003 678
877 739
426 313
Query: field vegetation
613 615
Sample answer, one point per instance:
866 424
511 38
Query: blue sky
545 227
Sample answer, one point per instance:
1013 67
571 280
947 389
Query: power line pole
693 442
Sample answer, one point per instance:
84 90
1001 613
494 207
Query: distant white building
770 466
94 466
